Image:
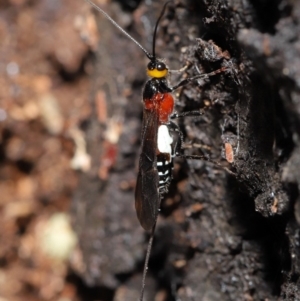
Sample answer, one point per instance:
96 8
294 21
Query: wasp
157 150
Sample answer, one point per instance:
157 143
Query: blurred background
45 70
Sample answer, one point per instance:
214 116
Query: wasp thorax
157 69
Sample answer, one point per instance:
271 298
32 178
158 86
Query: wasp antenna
155 29
150 57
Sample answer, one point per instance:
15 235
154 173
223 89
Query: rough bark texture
224 233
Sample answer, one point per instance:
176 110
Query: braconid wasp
157 149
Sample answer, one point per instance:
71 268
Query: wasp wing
147 198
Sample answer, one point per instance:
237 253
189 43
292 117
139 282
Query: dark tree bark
227 230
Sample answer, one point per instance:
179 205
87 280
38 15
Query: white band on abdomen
164 140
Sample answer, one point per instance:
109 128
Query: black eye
151 66
161 66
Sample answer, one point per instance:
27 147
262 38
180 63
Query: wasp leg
184 68
191 79
194 113
179 150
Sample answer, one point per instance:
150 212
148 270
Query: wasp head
157 69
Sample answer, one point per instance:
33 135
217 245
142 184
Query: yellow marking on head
157 73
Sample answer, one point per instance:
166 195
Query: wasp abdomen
164 158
